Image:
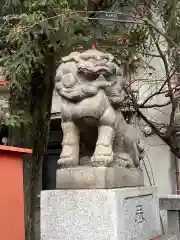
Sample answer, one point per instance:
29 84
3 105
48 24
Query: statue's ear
74 56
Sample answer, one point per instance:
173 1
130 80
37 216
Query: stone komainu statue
92 90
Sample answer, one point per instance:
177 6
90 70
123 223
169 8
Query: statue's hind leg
128 149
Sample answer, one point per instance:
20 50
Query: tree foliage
30 30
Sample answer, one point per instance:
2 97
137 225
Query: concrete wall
159 160
158 165
56 103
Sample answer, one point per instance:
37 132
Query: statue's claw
103 156
69 156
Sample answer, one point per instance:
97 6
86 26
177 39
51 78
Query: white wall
159 160
159 169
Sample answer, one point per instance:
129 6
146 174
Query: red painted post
12 196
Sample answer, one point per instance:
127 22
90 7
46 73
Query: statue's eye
105 58
84 58
91 58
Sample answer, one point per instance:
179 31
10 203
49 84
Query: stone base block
171 203
85 177
100 214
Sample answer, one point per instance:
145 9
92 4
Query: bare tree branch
164 137
149 21
155 105
173 100
154 94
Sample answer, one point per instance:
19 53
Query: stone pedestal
98 177
100 214
171 203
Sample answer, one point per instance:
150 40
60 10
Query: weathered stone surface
91 88
98 177
171 202
100 214
167 237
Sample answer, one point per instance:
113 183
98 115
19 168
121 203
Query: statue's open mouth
94 73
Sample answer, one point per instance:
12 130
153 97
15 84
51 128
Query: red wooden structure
12 196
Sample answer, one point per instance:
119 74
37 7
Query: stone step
167 237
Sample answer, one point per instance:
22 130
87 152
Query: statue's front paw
124 160
103 156
67 162
69 157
